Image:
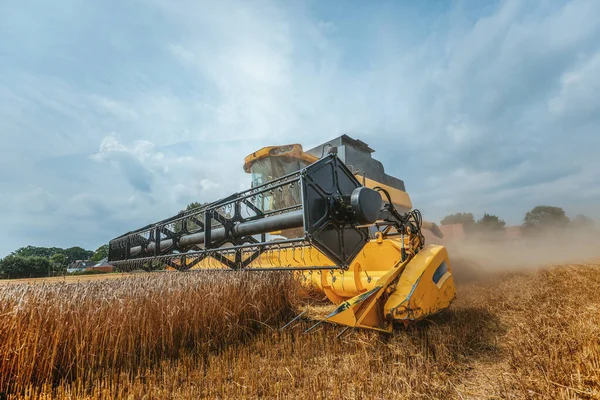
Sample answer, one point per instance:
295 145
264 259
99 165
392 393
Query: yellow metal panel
425 287
291 150
364 310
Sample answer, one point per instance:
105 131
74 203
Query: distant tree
100 253
542 218
77 253
34 251
33 261
59 259
58 264
466 219
71 254
191 226
490 226
193 204
24 267
582 222
490 223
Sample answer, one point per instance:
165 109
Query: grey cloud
540 174
134 171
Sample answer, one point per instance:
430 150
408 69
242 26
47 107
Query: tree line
36 262
538 220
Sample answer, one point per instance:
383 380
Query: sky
117 113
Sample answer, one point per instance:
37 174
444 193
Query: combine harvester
332 214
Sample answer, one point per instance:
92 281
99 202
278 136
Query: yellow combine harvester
332 214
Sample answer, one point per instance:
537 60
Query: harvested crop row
69 332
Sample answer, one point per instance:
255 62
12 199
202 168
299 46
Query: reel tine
271 258
260 259
297 317
342 332
313 327
279 254
257 261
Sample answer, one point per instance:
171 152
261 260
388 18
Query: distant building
80 265
88 265
102 265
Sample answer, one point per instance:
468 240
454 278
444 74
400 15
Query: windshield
269 168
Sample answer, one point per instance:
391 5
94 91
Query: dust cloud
476 259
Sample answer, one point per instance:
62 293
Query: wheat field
520 334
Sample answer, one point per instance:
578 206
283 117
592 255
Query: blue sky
118 113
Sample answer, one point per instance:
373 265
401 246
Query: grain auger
357 242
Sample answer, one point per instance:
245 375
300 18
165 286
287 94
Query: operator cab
273 162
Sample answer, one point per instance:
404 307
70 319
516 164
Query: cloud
37 200
115 108
131 161
579 88
486 107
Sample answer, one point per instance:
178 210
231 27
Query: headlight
281 150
